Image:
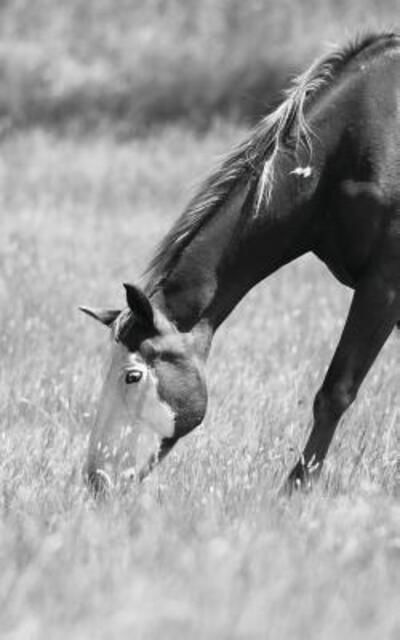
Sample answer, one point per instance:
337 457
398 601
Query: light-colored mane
255 158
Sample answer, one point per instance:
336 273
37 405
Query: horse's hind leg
374 311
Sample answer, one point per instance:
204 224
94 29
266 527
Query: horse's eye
134 375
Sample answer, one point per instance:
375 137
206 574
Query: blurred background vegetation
85 64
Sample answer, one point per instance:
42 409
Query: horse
321 174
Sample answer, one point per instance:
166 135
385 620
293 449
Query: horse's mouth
100 482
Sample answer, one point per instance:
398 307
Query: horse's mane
255 157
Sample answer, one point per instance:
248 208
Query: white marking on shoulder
304 172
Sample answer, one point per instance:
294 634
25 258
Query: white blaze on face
125 411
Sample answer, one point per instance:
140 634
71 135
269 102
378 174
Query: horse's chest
351 230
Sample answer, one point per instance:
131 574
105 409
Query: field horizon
84 66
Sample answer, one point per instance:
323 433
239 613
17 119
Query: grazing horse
321 173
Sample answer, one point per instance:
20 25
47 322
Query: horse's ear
139 304
105 316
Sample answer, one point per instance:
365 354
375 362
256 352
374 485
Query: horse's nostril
99 482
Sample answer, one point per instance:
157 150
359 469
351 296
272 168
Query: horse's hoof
296 483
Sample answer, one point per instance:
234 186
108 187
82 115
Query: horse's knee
332 402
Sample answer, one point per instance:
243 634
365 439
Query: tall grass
129 64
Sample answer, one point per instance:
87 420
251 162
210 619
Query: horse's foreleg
373 313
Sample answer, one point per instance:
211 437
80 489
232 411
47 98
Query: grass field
205 549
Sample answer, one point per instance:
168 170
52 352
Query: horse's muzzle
100 483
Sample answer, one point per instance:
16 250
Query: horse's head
155 379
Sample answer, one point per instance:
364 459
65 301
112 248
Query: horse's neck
236 248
